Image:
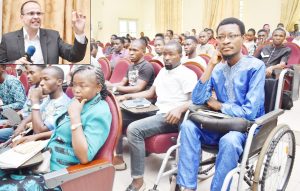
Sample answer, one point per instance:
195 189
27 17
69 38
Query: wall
258 12
110 11
192 16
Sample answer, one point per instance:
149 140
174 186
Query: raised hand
78 22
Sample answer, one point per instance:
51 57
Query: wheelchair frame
277 131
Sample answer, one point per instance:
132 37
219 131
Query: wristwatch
75 126
35 107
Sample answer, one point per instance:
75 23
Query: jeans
127 119
137 132
5 133
191 137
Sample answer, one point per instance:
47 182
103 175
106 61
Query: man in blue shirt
238 82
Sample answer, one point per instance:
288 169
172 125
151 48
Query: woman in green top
80 131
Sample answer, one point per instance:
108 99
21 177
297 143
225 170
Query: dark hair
176 44
160 35
171 31
41 66
252 30
232 20
121 39
262 30
113 35
194 39
99 77
266 24
94 45
31 1
144 39
128 39
280 24
280 29
59 73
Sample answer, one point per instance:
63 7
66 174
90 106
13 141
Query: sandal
132 188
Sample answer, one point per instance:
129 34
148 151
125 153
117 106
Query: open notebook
17 156
136 103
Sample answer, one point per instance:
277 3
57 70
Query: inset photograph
45 32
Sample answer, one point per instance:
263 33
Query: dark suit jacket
12 47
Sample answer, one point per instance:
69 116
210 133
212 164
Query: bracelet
75 126
35 107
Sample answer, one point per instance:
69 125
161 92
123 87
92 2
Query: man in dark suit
48 44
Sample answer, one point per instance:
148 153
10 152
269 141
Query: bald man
140 75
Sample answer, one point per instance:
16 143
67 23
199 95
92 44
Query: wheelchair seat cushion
216 122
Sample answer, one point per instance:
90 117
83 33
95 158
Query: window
127 26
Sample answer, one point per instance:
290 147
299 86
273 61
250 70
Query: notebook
136 103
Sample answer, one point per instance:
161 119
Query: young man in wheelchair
238 84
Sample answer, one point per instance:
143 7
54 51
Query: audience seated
43 114
110 49
80 131
159 47
94 52
119 51
204 47
12 92
140 75
211 38
275 55
127 42
190 45
242 77
173 87
297 40
296 32
250 41
262 36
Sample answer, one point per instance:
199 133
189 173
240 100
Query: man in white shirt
48 44
172 86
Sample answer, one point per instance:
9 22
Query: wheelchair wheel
276 159
207 170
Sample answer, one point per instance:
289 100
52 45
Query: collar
26 36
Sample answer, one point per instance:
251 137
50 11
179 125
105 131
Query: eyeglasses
31 14
230 37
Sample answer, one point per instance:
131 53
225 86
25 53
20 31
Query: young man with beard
43 115
275 55
238 82
172 86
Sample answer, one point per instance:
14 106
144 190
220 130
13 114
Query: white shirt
173 87
37 57
197 59
99 53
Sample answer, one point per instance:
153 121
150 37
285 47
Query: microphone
30 51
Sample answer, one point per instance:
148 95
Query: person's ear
99 88
60 82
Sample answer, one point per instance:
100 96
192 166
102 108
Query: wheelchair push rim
276 160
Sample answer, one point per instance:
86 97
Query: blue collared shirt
239 88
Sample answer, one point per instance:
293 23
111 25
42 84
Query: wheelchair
268 157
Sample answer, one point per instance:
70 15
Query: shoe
120 167
131 188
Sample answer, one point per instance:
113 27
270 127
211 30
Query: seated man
12 92
172 86
275 55
34 74
190 45
140 75
239 88
250 41
119 51
43 115
159 47
204 47
262 36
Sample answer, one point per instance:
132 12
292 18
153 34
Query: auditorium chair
148 56
205 57
158 62
156 67
97 174
24 81
105 66
119 71
295 54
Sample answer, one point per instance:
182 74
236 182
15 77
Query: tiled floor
153 162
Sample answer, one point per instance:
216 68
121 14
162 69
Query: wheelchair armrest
269 117
56 178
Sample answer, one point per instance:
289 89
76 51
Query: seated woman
80 132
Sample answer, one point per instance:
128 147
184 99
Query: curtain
1 3
58 15
290 13
168 15
217 10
